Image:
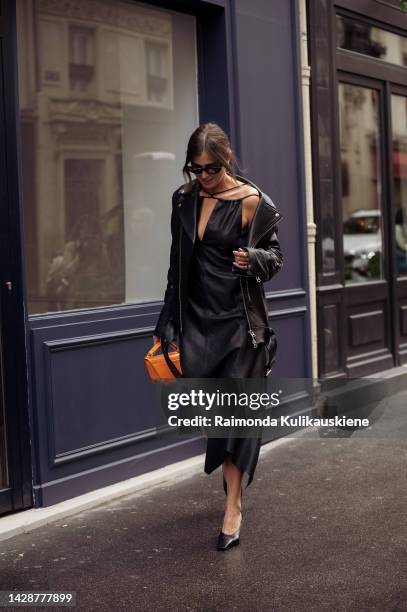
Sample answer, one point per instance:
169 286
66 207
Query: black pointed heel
228 540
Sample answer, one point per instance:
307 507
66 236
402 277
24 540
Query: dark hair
210 138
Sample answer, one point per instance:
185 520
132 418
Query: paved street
324 528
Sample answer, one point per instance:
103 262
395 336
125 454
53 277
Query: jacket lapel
187 206
265 216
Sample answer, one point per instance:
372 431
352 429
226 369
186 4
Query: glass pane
108 99
399 139
361 183
363 38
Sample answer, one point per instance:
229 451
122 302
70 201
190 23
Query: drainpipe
311 227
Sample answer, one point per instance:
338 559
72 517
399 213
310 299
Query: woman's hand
241 259
155 339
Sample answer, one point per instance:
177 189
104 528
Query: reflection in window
363 38
108 99
81 59
361 208
157 71
399 139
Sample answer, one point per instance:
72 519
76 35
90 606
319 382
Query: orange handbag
165 366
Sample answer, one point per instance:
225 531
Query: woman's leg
251 364
233 477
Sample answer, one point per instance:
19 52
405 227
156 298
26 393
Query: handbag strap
171 365
154 349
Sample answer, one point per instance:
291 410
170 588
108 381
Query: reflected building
100 134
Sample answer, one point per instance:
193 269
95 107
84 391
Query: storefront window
363 38
399 140
108 99
361 183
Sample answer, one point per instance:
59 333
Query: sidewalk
324 529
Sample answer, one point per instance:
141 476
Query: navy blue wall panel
268 85
93 406
269 118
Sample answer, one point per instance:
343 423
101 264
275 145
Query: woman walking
224 246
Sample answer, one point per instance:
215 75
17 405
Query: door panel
399 162
365 212
15 450
5 493
398 139
362 213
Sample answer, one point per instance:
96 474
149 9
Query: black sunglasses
209 168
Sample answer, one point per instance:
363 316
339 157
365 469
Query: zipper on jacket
258 279
179 279
247 289
251 332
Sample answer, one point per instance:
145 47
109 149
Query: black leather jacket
265 260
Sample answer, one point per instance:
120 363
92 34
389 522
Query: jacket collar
187 206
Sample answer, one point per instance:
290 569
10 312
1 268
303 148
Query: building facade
98 101
358 56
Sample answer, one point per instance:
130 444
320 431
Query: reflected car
362 245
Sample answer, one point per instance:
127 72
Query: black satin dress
215 342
